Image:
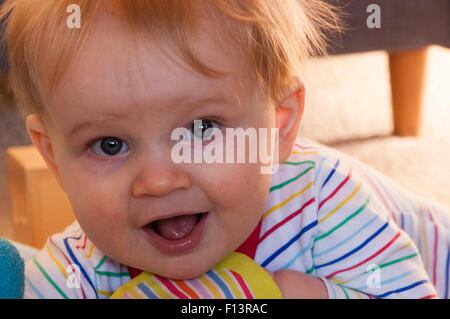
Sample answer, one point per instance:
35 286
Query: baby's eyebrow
97 118
79 126
85 124
214 99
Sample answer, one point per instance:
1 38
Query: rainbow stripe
218 284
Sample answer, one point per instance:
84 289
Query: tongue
176 227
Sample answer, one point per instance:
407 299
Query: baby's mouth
178 234
175 227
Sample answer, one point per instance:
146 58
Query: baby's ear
38 132
288 115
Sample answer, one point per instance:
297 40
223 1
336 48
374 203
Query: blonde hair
276 36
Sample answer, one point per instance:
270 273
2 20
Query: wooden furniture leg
407 71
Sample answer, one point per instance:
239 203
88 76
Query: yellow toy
236 277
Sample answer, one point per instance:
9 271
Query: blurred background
349 107
382 96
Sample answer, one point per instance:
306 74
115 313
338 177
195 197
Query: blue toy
12 277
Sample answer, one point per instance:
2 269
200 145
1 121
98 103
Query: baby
103 99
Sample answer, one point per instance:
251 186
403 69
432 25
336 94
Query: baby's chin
183 272
182 267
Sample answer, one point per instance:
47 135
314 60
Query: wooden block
39 206
407 71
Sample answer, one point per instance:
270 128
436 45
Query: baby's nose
159 179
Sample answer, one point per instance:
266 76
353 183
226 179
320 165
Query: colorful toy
236 277
12 277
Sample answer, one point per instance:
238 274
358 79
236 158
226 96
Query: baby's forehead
119 74
267 42
114 60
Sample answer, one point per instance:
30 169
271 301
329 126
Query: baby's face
110 124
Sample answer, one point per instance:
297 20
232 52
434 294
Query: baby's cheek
98 210
105 226
241 187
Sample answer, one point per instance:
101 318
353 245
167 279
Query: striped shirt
327 214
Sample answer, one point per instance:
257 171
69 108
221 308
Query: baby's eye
203 129
109 146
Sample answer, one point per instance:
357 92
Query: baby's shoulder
293 182
326 162
70 260
74 247
307 151
314 172
309 160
